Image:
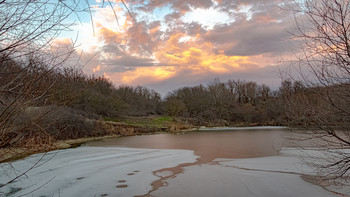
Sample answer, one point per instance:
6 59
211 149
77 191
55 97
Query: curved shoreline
202 128
179 171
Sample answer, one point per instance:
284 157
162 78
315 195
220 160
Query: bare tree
28 26
27 71
319 104
27 64
30 69
174 106
29 61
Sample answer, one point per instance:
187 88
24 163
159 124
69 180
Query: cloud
264 32
268 75
98 68
125 63
250 38
178 5
176 49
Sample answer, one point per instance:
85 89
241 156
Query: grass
163 120
12 154
149 121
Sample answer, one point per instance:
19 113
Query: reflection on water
210 144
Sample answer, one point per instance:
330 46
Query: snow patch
92 171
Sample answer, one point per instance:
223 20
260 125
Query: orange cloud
98 68
105 75
196 53
63 41
264 18
175 57
198 56
62 48
142 75
109 35
152 74
154 30
62 44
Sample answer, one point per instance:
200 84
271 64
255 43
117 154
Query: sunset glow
162 42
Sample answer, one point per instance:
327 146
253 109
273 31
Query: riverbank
12 154
110 128
107 128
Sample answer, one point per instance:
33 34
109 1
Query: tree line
40 103
64 103
226 103
38 97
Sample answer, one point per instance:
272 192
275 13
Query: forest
41 104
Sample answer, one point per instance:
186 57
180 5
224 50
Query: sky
165 45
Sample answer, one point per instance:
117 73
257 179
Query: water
210 144
122 172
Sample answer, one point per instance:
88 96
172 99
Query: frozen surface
103 171
92 171
219 180
239 128
253 177
289 161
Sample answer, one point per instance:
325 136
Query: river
240 162
210 144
